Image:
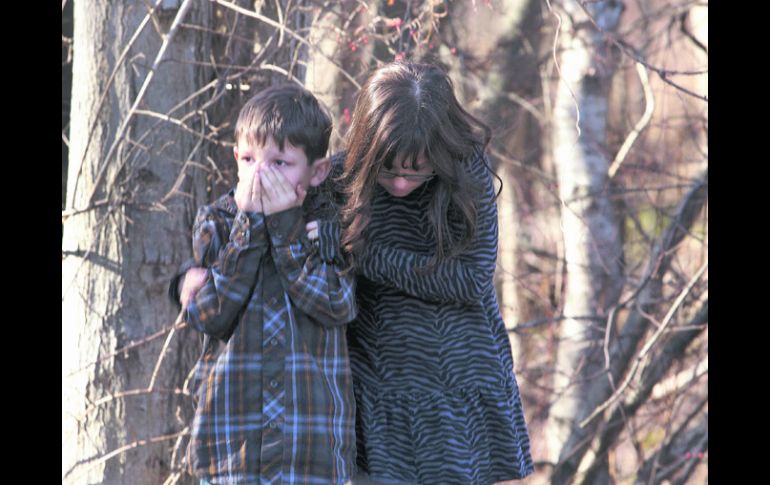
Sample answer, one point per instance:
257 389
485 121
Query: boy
276 403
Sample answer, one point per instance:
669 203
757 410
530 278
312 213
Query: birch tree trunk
592 233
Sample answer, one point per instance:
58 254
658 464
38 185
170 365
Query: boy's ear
235 152
319 170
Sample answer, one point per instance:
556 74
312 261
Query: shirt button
273 342
273 383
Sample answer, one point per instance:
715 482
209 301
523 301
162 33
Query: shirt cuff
329 241
248 229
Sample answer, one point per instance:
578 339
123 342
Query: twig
647 346
71 212
686 31
275 24
140 96
131 346
161 357
649 108
558 68
130 446
176 121
132 392
527 106
662 73
106 90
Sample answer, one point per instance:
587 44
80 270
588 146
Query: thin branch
140 96
161 357
128 447
178 325
97 228
649 108
133 392
66 214
681 380
674 349
176 121
173 478
282 28
527 106
541 321
626 49
183 172
558 68
648 345
686 31
106 91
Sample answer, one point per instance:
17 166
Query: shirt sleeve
315 284
461 279
232 266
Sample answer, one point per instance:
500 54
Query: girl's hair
404 111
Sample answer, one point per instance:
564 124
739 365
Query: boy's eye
280 163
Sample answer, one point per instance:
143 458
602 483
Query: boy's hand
248 192
312 230
277 193
194 279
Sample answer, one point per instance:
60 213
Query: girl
437 399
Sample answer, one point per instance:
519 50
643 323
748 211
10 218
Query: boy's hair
286 112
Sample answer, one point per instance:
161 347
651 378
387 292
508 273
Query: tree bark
592 232
119 255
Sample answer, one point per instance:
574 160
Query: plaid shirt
274 389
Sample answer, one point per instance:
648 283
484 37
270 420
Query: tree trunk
592 233
119 254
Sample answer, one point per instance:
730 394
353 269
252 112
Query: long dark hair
406 110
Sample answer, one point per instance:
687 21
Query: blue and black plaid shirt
274 389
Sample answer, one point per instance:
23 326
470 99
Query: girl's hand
194 279
312 230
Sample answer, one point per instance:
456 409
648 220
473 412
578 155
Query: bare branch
179 325
648 345
630 52
133 392
106 90
140 95
283 28
649 108
112 454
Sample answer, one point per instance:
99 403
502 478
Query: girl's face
400 182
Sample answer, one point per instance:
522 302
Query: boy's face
291 162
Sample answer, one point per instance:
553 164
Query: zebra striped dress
437 399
